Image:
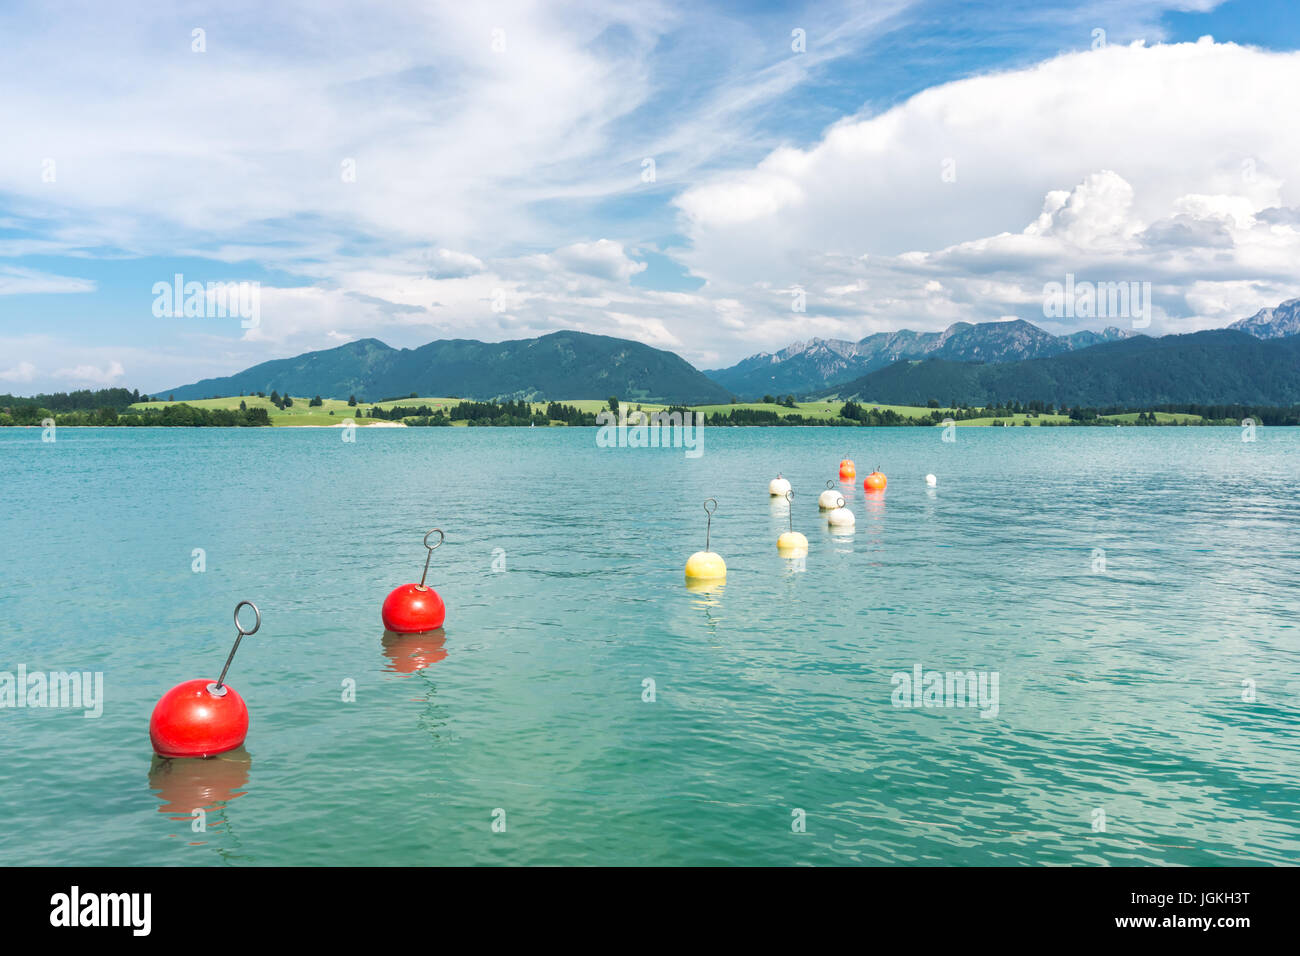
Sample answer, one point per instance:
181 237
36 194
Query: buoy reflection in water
408 653
197 790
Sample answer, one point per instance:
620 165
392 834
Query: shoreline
461 426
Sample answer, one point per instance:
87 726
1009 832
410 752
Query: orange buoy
848 470
415 608
199 718
875 481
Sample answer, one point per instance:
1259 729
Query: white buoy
931 480
841 517
829 499
778 486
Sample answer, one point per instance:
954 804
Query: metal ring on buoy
239 627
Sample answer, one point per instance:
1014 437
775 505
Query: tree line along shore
120 407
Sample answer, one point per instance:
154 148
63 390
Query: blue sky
418 171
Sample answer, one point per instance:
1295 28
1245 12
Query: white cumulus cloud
1169 163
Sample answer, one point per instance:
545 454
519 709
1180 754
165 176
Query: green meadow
1164 418
333 411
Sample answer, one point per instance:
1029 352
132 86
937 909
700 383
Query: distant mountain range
1221 366
814 365
561 365
1254 361
1272 323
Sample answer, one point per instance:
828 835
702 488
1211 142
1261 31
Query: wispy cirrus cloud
15 280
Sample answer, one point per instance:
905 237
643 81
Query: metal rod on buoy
705 566
199 718
416 608
217 688
428 557
791 544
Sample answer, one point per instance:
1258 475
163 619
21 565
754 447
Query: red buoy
202 718
415 608
192 721
875 481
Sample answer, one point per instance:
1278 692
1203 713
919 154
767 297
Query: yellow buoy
791 544
706 565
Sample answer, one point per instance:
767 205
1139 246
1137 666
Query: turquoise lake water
1123 692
